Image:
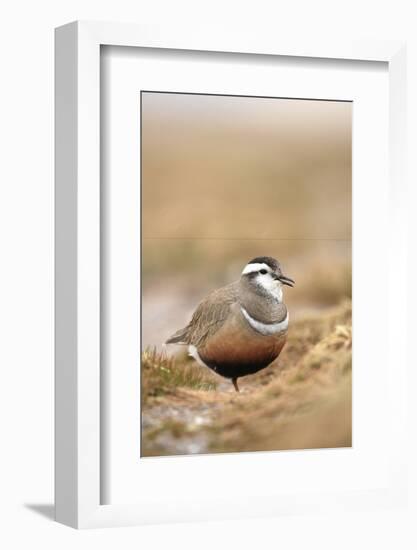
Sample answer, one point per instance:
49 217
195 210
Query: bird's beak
286 280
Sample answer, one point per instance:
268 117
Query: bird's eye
263 271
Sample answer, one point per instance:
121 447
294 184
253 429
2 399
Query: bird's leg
234 380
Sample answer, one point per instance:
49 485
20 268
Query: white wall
26 273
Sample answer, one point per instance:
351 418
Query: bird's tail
180 337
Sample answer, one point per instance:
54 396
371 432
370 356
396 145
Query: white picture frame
78 410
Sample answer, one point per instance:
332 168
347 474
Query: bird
242 327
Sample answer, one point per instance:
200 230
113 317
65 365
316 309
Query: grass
163 375
301 401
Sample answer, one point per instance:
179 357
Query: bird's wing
208 317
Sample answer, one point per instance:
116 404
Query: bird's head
264 276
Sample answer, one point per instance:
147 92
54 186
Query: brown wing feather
208 317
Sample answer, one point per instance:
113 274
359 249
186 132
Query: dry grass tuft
163 375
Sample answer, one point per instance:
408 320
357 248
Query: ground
301 401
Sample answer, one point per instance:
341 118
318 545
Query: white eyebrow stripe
250 268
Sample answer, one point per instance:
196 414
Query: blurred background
225 179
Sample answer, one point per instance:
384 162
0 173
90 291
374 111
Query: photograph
246 274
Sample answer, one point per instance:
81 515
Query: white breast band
264 328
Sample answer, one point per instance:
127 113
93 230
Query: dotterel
240 328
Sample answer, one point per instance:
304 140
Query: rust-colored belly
237 349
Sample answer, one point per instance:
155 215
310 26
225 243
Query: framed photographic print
229 229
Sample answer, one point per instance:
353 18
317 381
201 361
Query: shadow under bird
240 328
